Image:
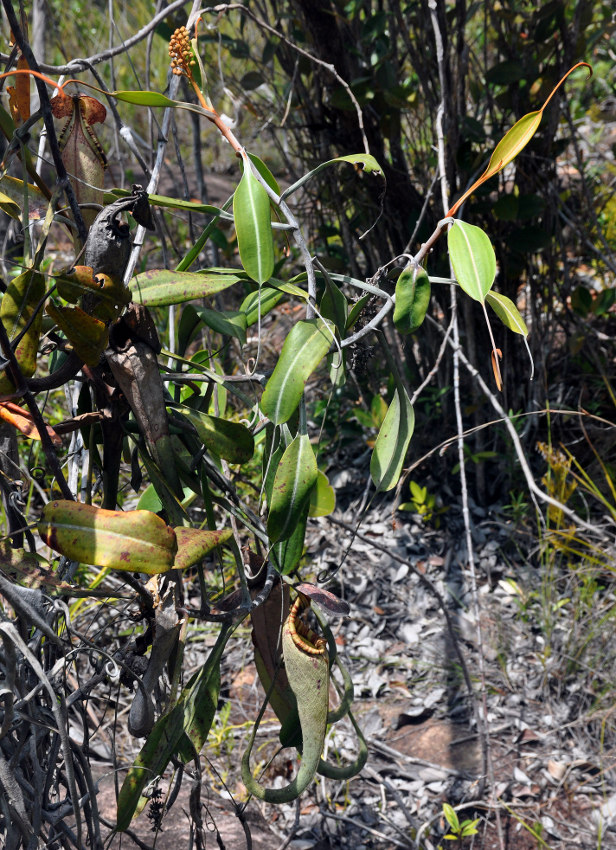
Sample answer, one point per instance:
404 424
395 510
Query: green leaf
412 300
473 259
510 316
170 203
513 142
267 297
138 541
265 173
195 543
191 718
160 288
228 440
143 98
251 211
170 502
392 442
306 345
150 500
469 828
362 161
334 305
507 312
227 322
356 310
451 817
287 554
201 695
290 288
378 411
13 188
23 295
295 478
322 497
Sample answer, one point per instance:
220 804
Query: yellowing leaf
111 295
322 497
22 297
195 543
87 334
123 540
22 420
160 287
507 312
9 206
514 141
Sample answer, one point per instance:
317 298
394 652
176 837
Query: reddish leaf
22 420
325 599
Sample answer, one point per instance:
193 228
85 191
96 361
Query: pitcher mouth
302 635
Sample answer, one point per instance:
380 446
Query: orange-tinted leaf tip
496 355
21 419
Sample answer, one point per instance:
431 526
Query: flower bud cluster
180 53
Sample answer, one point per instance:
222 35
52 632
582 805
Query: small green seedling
458 830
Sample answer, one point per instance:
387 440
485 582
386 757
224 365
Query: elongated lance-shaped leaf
228 322
138 541
363 161
144 98
160 288
514 141
169 203
392 441
334 305
251 211
473 259
265 173
259 303
295 478
189 721
22 297
306 345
